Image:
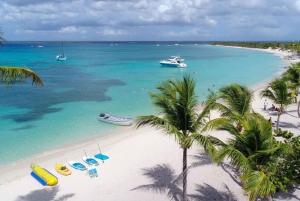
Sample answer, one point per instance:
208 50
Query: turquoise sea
112 77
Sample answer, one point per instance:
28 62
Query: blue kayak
77 165
90 160
101 156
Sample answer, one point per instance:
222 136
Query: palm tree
10 75
254 152
234 100
277 91
177 102
292 75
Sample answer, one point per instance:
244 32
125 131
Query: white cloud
72 29
141 5
162 8
82 18
200 3
98 5
210 22
190 32
113 32
280 10
297 5
70 14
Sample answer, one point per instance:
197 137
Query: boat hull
181 65
115 120
60 58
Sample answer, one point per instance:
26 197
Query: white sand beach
144 165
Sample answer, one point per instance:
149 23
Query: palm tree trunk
184 174
298 109
277 123
270 198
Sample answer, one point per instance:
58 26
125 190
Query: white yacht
175 61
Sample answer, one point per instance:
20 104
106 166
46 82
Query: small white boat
123 121
175 61
62 56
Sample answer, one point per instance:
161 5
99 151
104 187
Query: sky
150 20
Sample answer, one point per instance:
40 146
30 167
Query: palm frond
10 75
257 184
204 141
237 158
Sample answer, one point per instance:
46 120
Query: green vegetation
265 164
292 76
293 46
279 93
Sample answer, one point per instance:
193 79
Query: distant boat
175 61
62 56
115 120
40 46
157 45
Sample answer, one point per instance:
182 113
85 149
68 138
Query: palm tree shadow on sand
46 194
202 159
207 192
288 195
164 180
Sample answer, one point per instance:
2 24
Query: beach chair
92 172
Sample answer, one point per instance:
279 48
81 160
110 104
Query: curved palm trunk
184 174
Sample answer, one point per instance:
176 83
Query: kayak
61 169
90 160
77 165
101 156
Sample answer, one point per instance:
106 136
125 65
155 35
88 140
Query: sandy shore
144 164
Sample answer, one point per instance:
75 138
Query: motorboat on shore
62 56
175 61
123 121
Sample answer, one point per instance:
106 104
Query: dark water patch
23 128
85 87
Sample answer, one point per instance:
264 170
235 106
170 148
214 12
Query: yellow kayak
61 169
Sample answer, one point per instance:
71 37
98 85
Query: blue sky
150 20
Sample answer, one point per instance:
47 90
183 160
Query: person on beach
270 121
272 108
265 104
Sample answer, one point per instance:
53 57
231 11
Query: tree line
284 46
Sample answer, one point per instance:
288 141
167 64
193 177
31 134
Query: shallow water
105 77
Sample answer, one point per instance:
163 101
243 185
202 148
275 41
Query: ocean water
105 77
